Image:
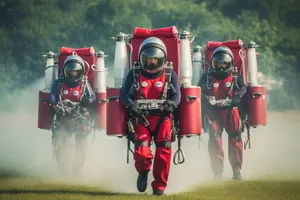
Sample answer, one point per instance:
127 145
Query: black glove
168 107
85 102
135 110
236 99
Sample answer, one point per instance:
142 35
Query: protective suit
70 97
223 83
150 102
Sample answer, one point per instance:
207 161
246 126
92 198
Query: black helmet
73 69
222 60
152 48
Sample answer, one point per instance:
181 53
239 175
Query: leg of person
235 143
79 153
62 150
142 156
83 129
215 148
163 154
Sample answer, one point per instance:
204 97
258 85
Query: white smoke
22 143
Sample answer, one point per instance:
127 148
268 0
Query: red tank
45 112
116 115
190 122
257 111
100 117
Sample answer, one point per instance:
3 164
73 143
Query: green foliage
31 28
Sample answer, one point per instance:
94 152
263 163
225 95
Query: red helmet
152 55
73 69
222 60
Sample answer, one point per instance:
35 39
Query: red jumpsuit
153 89
228 118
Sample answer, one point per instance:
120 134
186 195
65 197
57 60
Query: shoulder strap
136 71
59 84
83 87
168 83
208 81
234 81
234 78
136 84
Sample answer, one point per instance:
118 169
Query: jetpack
253 105
178 44
94 73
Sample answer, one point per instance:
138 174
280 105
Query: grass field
227 190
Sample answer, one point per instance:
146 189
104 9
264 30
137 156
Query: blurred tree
31 28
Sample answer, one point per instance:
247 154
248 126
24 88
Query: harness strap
166 144
83 87
234 82
138 143
233 85
59 84
168 82
135 86
208 80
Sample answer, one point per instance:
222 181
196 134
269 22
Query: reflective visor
152 58
221 58
73 71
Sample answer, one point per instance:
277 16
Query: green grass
16 188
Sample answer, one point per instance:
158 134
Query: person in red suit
152 83
223 82
71 86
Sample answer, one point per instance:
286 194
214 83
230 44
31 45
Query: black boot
158 192
142 181
237 175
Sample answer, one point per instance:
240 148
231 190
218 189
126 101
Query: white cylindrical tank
51 70
197 64
100 73
252 71
185 67
121 62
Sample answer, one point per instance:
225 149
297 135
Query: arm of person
203 84
175 94
53 93
125 95
242 87
89 93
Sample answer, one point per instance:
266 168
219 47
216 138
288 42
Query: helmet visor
73 71
152 58
221 62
